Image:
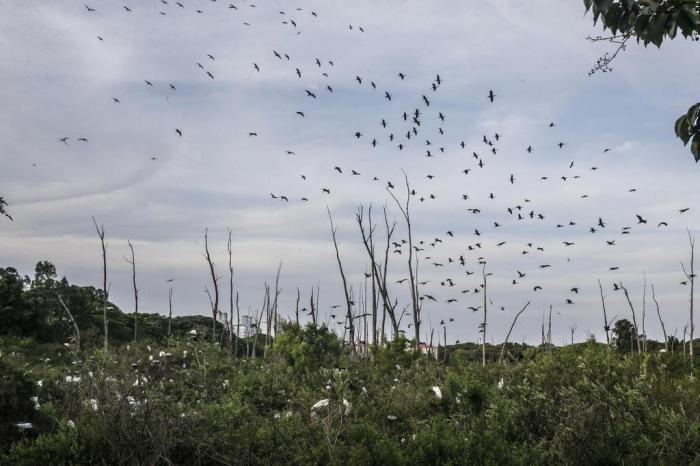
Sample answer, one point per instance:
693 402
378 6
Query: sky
159 190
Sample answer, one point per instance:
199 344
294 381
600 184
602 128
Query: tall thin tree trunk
606 326
658 312
483 325
136 291
170 308
230 282
101 234
215 281
644 315
412 267
505 342
691 278
313 307
76 329
296 310
345 284
634 318
549 331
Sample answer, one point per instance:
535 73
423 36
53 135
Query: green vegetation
187 400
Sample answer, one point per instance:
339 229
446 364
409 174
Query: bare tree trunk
505 342
345 284
215 281
101 234
170 308
268 319
543 337
136 291
444 332
379 274
605 315
238 323
374 309
691 278
230 282
549 331
296 310
76 329
318 298
412 268
483 325
573 329
644 315
274 305
259 321
634 318
658 312
313 307
430 345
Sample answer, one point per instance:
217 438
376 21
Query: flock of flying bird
419 128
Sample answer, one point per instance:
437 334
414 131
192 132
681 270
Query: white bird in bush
437 391
320 404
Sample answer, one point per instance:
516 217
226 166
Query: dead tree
170 308
549 331
136 291
267 319
259 320
215 282
105 293
296 310
658 312
238 322
483 324
230 288
76 329
691 278
313 307
275 303
644 315
412 265
345 283
606 326
572 328
634 318
505 342
379 272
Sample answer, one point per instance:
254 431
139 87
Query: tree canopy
651 21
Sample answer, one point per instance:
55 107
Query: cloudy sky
59 80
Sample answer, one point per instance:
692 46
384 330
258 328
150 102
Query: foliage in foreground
190 402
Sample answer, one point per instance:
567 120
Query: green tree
15 315
624 335
44 275
651 21
308 347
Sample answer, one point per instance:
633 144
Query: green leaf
672 26
692 114
612 18
657 29
627 5
682 129
695 147
603 5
